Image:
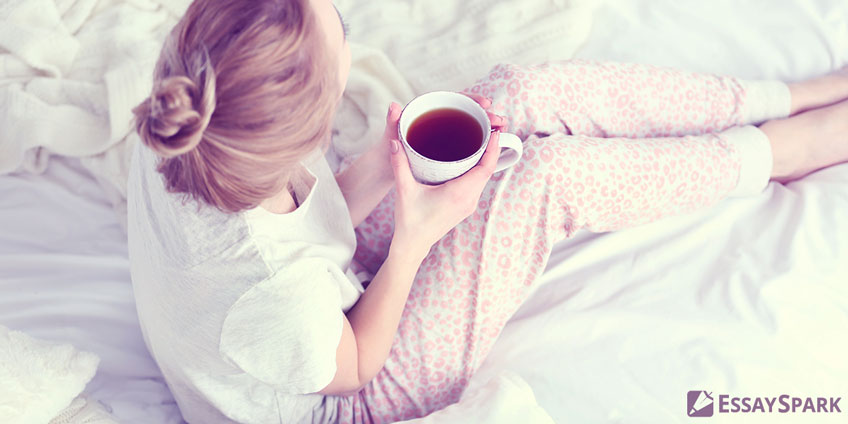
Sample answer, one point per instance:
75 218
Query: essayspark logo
701 403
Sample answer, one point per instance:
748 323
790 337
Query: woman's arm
371 324
367 180
423 214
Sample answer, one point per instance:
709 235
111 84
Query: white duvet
749 298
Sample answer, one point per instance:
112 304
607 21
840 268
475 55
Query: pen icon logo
699 403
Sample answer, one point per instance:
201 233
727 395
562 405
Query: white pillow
39 378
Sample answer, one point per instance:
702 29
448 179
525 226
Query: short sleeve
285 330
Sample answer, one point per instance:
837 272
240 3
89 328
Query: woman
242 239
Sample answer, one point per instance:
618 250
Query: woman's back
226 327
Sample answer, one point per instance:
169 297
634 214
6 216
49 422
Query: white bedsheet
64 276
747 298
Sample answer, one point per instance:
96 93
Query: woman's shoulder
182 230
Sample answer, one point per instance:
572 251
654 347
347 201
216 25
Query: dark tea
445 135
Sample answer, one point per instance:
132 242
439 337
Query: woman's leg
475 278
606 99
612 100
808 141
819 92
620 99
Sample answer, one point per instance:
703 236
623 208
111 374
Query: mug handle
514 151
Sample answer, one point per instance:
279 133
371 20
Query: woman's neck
281 203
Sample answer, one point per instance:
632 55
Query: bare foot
819 92
809 141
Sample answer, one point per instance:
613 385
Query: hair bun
172 121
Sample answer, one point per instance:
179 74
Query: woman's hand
425 213
366 181
379 156
498 122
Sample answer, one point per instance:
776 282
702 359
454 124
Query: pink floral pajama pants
606 146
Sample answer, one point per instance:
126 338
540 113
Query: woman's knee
502 83
540 163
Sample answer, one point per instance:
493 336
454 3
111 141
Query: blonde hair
243 90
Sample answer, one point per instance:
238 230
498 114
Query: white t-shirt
242 312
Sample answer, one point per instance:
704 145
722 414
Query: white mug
431 171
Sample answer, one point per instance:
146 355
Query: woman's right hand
425 213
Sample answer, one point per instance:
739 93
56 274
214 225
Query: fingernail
394 146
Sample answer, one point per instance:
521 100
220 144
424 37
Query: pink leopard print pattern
606 146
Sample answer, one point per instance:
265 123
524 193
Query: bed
747 298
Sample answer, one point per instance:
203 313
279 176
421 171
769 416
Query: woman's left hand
369 177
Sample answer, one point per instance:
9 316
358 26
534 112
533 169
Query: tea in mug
445 135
